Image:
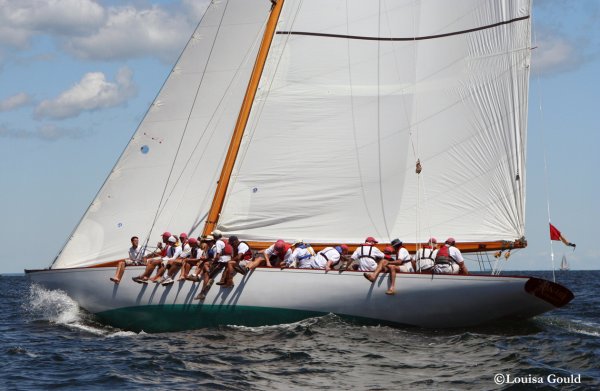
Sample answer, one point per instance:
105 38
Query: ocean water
48 342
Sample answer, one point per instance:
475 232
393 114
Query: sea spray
55 306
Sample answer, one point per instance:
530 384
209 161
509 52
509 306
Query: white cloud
129 32
15 101
556 54
20 20
93 92
88 30
47 132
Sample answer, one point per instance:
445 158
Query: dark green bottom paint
163 318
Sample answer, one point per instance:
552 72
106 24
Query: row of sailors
210 254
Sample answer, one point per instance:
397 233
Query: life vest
286 247
228 250
164 251
443 256
306 255
324 254
422 253
362 252
211 252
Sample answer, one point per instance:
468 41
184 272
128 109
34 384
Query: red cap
344 247
371 239
388 250
166 235
433 240
279 246
193 241
183 235
450 241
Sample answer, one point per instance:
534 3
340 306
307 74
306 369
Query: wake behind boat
328 121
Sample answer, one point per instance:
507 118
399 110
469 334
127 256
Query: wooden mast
236 138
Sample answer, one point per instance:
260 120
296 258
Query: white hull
269 296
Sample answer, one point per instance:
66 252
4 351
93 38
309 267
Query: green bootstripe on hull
179 317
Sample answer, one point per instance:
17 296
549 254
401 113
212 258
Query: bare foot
115 280
368 277
390 292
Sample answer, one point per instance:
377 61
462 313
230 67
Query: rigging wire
185 129
213 127
121 157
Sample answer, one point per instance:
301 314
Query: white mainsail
354 92
165 178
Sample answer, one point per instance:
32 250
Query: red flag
556 235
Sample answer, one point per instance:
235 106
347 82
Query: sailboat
564 264
329 121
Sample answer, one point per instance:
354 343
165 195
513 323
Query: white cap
297 242
217 234
172 239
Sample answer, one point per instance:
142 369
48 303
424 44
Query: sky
77 76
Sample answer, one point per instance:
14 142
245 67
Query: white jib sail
354 92
166 177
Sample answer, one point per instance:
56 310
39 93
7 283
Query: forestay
354 92
165 178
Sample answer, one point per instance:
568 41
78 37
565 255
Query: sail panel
169 169
354 92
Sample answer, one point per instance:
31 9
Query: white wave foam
585 327
284 326
52 305
57 307
578 326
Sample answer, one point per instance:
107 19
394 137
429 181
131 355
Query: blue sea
48 342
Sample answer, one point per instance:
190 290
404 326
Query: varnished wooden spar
236 138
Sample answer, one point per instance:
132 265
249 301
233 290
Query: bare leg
159 273
392 289
119 273
373 276
255 263
152 264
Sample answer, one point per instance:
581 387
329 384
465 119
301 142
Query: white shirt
455 254
403 255
185 251
366 264
219 247
173 252
135 253
242 248
319 262
426 253
302 255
